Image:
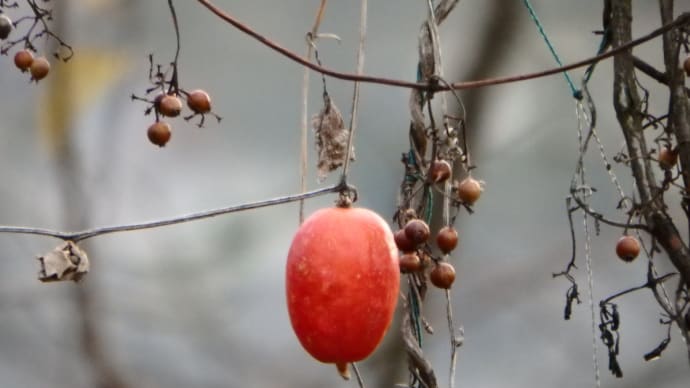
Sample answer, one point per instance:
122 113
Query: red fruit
447 239
469 190
23 59
39 68
403 243
410 262
342 283
667 158
159 133
439 171
170 105
628 248
417 231
199 101
443 275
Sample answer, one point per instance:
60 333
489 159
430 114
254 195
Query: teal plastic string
576 93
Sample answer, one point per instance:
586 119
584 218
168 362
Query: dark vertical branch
628 105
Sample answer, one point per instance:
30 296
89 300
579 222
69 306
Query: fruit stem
347 194
343 370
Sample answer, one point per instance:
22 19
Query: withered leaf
331 138
65 262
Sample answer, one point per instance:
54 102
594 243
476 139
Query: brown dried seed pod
627 248
170 106
667 158
199 101
469 190
410 262
159 133
403 243
23 59
417 231
443 275
447 239
440 171
40 67
5 26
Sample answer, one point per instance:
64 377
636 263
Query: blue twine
576 93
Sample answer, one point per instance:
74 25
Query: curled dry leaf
331 138
65 262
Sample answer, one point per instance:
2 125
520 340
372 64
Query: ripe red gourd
342 284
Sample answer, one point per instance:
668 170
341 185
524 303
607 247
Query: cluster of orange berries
24 59
38 67
467 190
411 241
170 105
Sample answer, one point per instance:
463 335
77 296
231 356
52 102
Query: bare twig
681 20
304 130
86 234
355 93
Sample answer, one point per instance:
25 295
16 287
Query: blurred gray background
202 304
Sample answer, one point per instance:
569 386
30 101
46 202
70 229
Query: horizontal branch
683 19
83 235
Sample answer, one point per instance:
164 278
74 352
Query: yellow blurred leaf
73 87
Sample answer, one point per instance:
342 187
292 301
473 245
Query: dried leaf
331 138
65 262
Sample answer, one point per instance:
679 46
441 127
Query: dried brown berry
628 248
23 59
40 67
410 262
443 275
447 239
159 133
404 244
667 158
170 105
469 190
439 171
5 26
199 101
417 231
686 66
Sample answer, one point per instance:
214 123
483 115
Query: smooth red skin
342 283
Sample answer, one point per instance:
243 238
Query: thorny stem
305 109
86 234
355 94
681 20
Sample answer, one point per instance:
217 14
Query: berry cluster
24 59
415 252
168 103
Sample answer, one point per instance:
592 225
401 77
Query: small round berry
410 262
447 239
469 190
39 68
417 231
5 26
628 248
439 171
667 158
170 105
199 101
686 66
159 133
443 275
404 244
23 59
